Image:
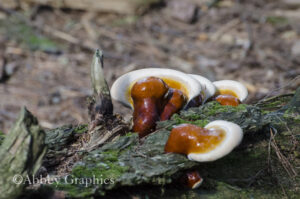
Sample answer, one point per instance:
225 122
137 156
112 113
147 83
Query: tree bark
21 154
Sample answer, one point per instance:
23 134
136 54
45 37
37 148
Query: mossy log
21 155
265 165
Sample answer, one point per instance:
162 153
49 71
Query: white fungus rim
235 86
123 83
233 137
208 87
197 184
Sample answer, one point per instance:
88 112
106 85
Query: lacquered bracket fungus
155 97
215 140
208 87
174 104
121 89
230 92
156 94
149 96
191 179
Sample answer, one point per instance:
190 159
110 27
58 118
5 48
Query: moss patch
90 176
81 128
211 109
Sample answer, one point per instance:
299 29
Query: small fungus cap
233 137
238 88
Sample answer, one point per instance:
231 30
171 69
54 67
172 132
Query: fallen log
266 164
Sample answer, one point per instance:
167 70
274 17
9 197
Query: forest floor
45 53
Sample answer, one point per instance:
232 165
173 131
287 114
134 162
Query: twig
249 30
283 160
277 89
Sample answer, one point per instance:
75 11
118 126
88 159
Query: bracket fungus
154 94
148 97
175 103
208 87
191 179
230 92
215 140
121 88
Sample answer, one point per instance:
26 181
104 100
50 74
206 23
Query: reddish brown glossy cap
228 100
151 87
188 138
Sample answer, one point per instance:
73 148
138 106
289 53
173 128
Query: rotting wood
21 155
131 162
244 173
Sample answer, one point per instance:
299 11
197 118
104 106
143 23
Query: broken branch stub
101 103
104 125
21 154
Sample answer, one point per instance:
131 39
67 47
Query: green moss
179 120
106 170
273 105
211 109
81 128
291 115
243 115
106 166
129 134
216 108
97 171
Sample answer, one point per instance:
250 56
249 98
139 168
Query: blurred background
46 48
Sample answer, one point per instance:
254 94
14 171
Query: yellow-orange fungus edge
227 92
188 138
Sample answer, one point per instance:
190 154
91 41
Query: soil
250 41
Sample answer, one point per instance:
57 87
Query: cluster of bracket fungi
155 94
